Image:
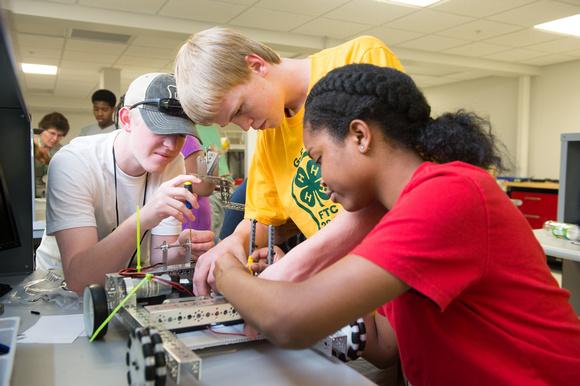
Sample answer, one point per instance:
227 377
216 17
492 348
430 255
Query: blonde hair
211 63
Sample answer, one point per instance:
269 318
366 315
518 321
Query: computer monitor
569 193
8 231
16 164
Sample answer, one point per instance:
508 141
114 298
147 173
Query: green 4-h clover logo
307 179
309 195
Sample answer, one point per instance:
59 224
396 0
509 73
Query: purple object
203 214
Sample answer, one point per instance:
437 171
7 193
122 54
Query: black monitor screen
8 233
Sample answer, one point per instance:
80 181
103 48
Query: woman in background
53 128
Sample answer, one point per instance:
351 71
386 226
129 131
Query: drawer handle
534 216
531 198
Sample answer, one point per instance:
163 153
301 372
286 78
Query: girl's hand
227 263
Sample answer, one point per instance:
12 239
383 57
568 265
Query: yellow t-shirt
283 181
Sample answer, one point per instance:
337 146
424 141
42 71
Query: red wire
132 272
224 333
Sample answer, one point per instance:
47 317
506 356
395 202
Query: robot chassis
154 350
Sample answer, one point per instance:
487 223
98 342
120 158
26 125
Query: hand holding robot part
260 257
203 277
169 201
198 241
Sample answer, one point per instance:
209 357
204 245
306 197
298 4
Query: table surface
534 185
103 362
564 249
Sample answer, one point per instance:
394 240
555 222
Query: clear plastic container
8 332
563 230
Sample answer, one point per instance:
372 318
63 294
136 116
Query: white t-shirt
81 193
94 128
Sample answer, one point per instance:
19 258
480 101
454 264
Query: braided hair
391 99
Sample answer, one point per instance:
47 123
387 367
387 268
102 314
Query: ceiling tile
428 21
154 41
148 52
550 59
561 45
40 82
240 2
269 19
71 90
369 12
79 76
419 68
89 82
432 43
523 38
470 74
537 12
476 49
424 81
516 55
303 7
479 30
331 28
39 41
94 47
137 6
84 57
39 55
70 65
127 60
391 36
479 8
40 26
201 10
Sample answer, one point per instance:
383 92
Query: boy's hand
203 276
201 241
169 201
260 257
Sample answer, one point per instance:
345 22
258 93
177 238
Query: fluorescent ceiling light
44 69
416 3
568 25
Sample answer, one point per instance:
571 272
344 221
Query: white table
569 252
103 362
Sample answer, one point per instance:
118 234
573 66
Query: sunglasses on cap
169 106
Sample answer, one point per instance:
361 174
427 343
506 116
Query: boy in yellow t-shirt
224 77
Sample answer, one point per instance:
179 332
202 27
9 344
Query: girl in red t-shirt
453 265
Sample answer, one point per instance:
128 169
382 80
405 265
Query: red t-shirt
483 307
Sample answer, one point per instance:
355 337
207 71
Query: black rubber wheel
95 309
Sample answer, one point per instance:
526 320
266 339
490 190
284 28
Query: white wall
494 98
555 109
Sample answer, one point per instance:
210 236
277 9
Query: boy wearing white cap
95 184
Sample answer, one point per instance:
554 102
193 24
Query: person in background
222 77
233 217
96 183
210 136
454 264
104 102
53 128
192 151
